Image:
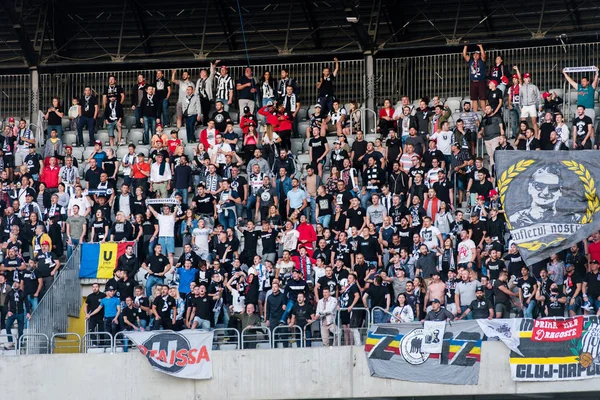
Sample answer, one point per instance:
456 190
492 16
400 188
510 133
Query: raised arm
466 55
483 55
571 81
337 67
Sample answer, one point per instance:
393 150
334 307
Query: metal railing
61 300
353 335
287 336
15 95
254 337
33 343
66 343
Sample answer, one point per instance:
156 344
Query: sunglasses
540 186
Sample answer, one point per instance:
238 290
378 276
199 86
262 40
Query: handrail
338 320
257 328
281 339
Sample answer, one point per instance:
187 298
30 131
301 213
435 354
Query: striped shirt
224 85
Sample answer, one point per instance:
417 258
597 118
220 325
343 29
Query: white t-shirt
430 237
201 239
444 141
466 249
166 225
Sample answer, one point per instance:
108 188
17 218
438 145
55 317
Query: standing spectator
386 117
191 113
380 297
275 306
583 130
166 233
204 90
113 89
88 112
160 176
183 83
327 308
326 88
137 95
224 88
492 129
150 110
246 87
76 229
163 92
113 116
157 266
528 286
480 308
585 92
18 307
530 99
267 89
111 305
92 302
164 309
54 117
477 89
465 291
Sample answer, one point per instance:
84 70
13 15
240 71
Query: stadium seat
78 153
302 114
66 123
189 150
129 121
453 105
559 92
87 152
102 136
121 152
69 138
135 136
182 135
142 149
234 115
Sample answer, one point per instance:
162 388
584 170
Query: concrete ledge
333 373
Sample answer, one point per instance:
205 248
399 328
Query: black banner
550 198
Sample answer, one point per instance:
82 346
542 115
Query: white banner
581 69
433 336
506 330
165 200
185 354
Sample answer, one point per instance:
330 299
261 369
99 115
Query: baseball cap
159 125
110 288
504 79
456 144
569 265
246 110
545 95
336 142
495 82
98 142
526 75
435 301
493 192
594 262
515 76
479 289
11 119
317 106
68 147
45 242
480 197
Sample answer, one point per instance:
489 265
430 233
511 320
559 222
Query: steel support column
370 121
34 107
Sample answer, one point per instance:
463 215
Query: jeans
184 195
326 103
151 282
515 116
463 309
34 303
190 124
312 205
59 130
202 323
165 112
225 105
151 245
91 125
20 318
111 127
251 207
110 326
379 317
72 247
149 128
228 221
528 309
364 199
288 310
225 311
325 220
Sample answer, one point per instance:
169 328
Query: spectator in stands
164 309
137 95
17 309
224 88
150 110
386 117
583 130
157 266
246 87
163 93
113 116
338 118
54 117
183 83
585 92
191 113
530 100
204 90
492 129
88 112
477 74
326 86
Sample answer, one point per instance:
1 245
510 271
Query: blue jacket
287 185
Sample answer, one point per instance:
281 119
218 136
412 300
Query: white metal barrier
33 343
287 336
97 342
66 343
254 337
353 335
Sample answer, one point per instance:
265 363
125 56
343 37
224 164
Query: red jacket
50 177
308 233
271 118
204 138
245 122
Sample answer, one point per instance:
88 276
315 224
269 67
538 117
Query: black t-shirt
515 263
143 302
302 313
394 149
246 93
164 306
330 283
347 296
93 301
125 288
30 281
495 267
109 166
593 285
318 147
238 184
343 199
480 309
570 283
377 295
268 240
527 285
99 229
499 295
161 87
45 264
482 189
359 148
33 163
88 106
356 217
251 241
204 204
369 248
132 315
582 125
556 308
326 88
477 230
494 97
158 263
324 204
203 307
53 118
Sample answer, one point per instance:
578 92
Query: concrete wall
338 372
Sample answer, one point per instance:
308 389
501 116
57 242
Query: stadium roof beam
224 18
309 15
361 35
138 15
485 13
573 10
25 42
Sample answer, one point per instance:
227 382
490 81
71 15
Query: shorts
578 303
502 308
478 90
168 244
528 111
345 317
452 308
179 110
262 296
9 161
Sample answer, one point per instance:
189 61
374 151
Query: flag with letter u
99 260
550 199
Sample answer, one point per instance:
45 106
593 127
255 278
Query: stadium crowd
407 225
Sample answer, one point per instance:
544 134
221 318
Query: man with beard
480 307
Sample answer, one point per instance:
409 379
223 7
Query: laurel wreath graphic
507 176
589 189
536 244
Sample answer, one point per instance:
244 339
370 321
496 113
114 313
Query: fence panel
15 96
287 336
